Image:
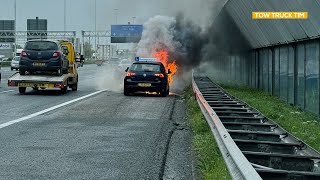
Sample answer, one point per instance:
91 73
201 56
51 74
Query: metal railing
238 165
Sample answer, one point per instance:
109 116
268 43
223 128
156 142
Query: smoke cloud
189 43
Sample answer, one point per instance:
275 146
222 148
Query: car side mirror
169 71
127 69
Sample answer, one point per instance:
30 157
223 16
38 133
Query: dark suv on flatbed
43 55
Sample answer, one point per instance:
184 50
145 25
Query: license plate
39 64
25 84
35 85
144 84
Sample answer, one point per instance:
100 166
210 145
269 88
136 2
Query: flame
163 57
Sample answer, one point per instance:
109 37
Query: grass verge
303 125
209 159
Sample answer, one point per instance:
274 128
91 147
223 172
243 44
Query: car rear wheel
11 69
163 93
126 92
22 71
35 89
65 71
22 90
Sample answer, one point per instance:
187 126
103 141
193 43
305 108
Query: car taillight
131 74
160 75
56 54
23 54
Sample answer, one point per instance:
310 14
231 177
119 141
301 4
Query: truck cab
68 50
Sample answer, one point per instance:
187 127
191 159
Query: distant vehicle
43 55
82 60
114 60
123 64
18 52
146 75
15 63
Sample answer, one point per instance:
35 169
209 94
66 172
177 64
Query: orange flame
163 57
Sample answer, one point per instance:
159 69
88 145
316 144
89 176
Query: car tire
65 70
35 89
168 91
22 90
11 69
126 92
163 92
22 72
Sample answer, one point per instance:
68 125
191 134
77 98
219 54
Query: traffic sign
126 33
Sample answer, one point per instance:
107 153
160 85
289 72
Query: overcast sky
80 13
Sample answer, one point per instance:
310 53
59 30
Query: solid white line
1 92
47 110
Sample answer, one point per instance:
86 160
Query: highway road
94 133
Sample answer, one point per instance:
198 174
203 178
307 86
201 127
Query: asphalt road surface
94 133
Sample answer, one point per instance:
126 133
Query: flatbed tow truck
48 81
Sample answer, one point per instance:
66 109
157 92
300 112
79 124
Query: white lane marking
47 110
1 92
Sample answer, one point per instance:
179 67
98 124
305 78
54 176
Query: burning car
147 74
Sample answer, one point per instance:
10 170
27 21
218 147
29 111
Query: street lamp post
65 18
15 26
95 28
116 15
133 18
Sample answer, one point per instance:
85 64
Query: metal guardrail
239 167
252 145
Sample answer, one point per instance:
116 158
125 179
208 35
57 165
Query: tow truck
45 81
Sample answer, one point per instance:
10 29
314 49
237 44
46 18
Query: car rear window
145 67
16 58
41 46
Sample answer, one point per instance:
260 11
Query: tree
88 51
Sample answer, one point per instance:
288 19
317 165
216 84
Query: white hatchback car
15 63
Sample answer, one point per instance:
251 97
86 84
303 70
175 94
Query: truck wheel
74 87
22 72
22 90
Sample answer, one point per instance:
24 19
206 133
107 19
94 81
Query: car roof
148 62
48 40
